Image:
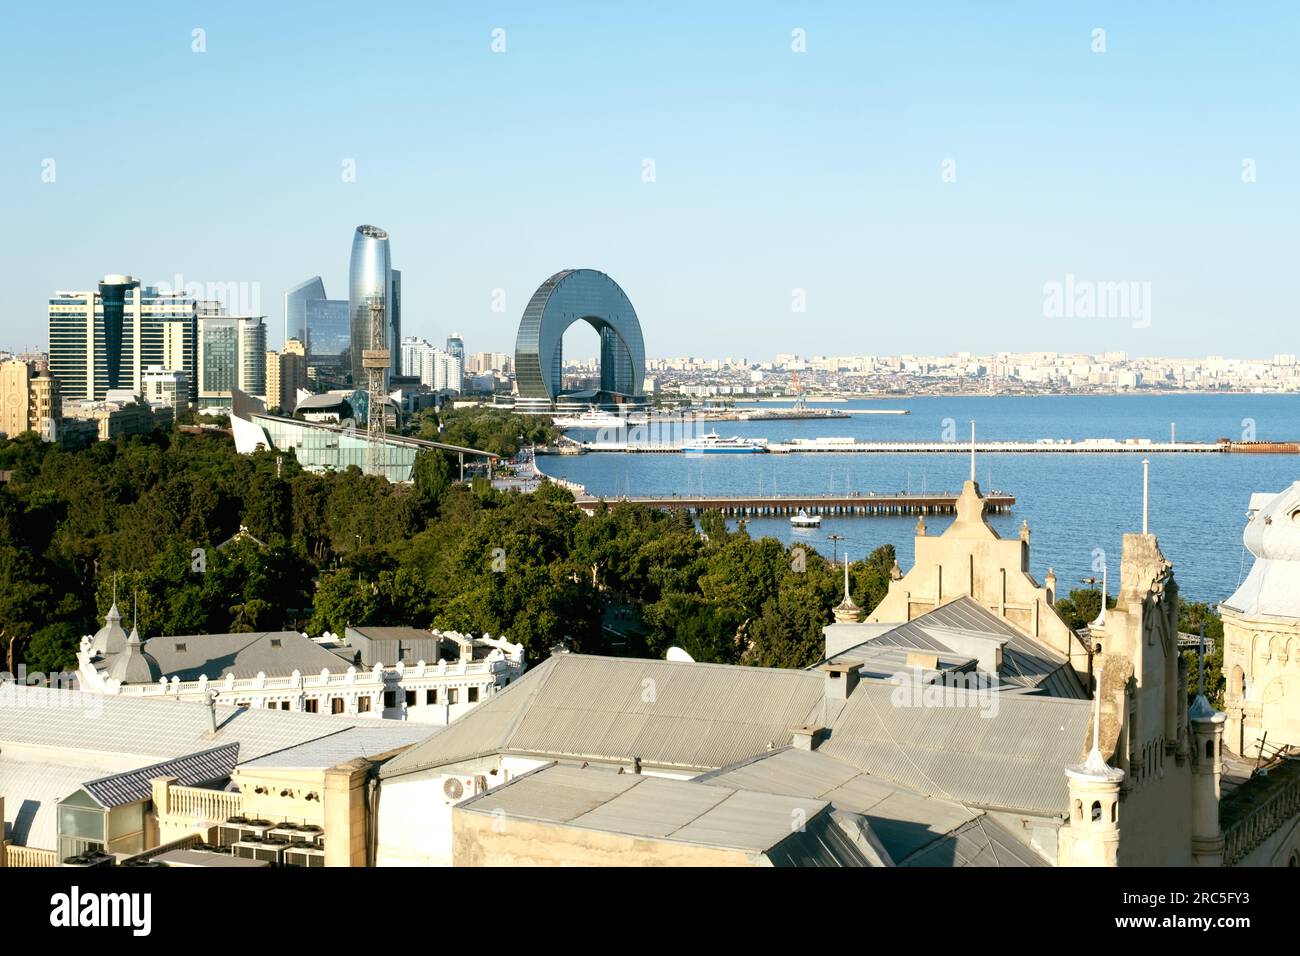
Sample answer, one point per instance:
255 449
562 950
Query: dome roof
111 638
134 665
1273 537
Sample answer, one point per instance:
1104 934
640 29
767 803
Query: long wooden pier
758 506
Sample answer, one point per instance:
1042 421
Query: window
1096 811
311 705
284 705
472 695
453 695
431 696
363 705
270 705
390 699
1209 749
181 647
410 698
336 705
275 642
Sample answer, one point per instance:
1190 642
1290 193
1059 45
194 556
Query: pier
1055 446
869 504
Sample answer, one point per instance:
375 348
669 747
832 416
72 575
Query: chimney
807 737
840 679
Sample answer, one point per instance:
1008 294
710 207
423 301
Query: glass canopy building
572 296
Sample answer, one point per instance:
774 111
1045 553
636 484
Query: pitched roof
677 811
684 715
206 766
273 653
913 828
1026 663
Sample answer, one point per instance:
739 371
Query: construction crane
799 403
376 362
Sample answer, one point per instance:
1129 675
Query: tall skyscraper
395 322
232 354
295 307
329 334
370 280
456 347
105 339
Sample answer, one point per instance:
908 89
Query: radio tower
375 361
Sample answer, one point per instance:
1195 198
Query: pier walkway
864 505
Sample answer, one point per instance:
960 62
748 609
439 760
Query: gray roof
676 811
673 715
111 638
133 665
1026 663
326 752
914 829
1001 751
32 790
273 653
213 765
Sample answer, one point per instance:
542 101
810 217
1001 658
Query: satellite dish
453 788
679 655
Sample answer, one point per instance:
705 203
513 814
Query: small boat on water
711 444
804 520
590 419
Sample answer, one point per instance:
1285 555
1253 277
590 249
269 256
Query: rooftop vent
840 679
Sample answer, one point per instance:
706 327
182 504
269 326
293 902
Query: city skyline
826 181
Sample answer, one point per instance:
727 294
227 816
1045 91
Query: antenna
1200 665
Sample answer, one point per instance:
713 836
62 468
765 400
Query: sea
1077 505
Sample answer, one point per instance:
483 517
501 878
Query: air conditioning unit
236 829
89 858
304 854
458 788
310 833
289 832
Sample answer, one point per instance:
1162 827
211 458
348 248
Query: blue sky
774 170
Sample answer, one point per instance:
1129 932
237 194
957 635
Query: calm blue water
1073 503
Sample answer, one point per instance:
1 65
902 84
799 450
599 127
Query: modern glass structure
106 339
329 334
232 355
370 279
295 307
567 297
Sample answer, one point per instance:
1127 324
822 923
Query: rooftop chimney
841 679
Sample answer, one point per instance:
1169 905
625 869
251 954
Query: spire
1095 764
846 612
1100 620
1146 493
1201 707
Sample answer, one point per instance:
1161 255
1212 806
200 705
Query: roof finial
1146 492
972 449
1095 764
1100 620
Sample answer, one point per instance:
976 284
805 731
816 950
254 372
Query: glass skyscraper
296 301
232 355
371 279
329 334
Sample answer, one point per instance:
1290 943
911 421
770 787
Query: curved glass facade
565 298
370 277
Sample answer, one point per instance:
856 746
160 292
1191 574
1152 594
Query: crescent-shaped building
571 296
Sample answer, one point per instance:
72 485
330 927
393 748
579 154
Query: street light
835 540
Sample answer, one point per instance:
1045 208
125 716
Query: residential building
167 386
122 412
439 369
30 400
286 374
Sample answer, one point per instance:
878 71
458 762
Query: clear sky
774 170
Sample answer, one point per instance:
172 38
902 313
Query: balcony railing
1257 822
199 807
29 856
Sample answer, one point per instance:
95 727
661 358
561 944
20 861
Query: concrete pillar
1207 774
346 813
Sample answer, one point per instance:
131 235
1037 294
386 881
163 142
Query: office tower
295 307
286 372
29 400
370 280
105 339
456 347
329 334
232 354
166 386
395 321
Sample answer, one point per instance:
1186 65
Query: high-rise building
370 280
295 307
105 339
286 372
232 354
395 321
456 346
329 334
436 368
29 400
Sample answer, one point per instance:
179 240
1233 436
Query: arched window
1209 749
1096 811
1114 812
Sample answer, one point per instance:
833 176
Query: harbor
846 445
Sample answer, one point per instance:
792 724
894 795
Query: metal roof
678 811
32 790
1026 663
326 752
207 766
681 715
273 653
914 829
1005 751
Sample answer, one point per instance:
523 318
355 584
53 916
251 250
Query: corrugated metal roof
686 715
1025 661
912 828
207 766
1010 752
32 791
680 811
326 752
